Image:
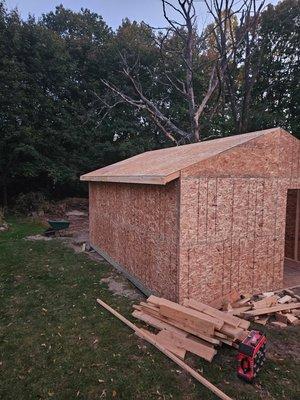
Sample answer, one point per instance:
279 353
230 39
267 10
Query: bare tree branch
180 40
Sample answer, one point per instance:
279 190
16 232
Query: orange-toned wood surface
232 220
218 226
164 165
137 226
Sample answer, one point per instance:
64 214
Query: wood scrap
271 310
263 308
245 300
296 313
266 302
169 345
161 322
285 299
206 309
153 340
262 320
244 324
155 322
186 316
239 311
292 294
291 319
192 318
268 294
279 324
188 344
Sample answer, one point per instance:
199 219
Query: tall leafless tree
227 41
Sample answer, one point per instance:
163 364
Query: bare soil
76 211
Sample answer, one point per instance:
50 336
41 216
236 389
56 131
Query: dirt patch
76 213
38 237
77 237
120 287
279 348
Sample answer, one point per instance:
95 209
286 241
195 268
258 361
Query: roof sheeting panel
164 165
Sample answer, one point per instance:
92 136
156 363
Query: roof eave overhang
139 179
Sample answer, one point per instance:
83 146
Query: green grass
56 343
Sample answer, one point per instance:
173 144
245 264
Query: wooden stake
142 334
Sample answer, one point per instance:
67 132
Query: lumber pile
280 308
143 334
194 327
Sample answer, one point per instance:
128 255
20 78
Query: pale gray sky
113 11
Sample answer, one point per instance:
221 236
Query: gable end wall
233 219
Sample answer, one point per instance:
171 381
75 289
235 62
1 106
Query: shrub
31 202
2 221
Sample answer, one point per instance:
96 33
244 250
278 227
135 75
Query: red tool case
251 356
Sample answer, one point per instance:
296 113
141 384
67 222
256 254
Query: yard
55 342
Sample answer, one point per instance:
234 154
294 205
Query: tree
277 88
239 46
189 49
76 96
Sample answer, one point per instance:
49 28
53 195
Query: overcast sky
113 11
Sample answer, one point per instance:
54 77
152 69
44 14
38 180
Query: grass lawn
55 342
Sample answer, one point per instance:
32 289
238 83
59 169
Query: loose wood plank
262 320
189 317
284 299
244 324
231 331
188 344
296 313
162 322
198 306
291 319
292 294
279 324
239 311
156 323
271 310
177 360
178 351
266 302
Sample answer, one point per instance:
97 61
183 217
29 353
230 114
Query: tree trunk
197 137
4 194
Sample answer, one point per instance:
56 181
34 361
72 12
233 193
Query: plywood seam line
179 194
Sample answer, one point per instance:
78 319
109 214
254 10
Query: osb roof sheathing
162 166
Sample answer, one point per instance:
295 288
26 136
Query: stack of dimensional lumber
194 326
279 308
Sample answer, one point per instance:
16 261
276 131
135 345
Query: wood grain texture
241 218
218 227
164 165
137 225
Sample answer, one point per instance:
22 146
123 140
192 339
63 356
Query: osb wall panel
137 226
271 155
233 214
232 236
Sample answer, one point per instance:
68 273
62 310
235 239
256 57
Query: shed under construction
201 220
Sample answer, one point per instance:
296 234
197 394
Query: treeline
58 119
